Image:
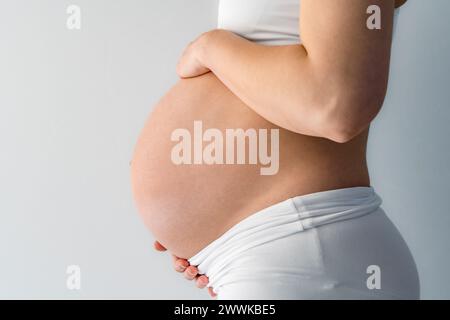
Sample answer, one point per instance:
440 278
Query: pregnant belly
186 206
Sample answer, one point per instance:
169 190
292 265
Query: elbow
347 117
342 127
340 131
342 135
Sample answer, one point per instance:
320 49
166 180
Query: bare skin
188 206
314 158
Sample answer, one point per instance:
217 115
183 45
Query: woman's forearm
332 85
333 94
280 83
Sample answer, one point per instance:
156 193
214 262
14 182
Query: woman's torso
188 206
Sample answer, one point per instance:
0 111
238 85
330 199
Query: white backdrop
72 103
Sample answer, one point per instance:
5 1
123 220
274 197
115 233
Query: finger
176 258
190 272
180 265
201 281
212 293
158 246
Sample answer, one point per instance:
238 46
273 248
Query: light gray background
73 102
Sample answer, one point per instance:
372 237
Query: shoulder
399 3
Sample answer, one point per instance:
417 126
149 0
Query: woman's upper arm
349 57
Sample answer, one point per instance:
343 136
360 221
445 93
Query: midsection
187 206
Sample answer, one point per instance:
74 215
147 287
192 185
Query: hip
336 244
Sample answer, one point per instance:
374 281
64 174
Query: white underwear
335 244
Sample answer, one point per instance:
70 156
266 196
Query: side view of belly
186 206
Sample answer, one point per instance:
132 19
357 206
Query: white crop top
270 22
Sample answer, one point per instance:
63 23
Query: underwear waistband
283 219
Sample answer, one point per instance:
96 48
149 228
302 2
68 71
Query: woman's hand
189 65
189 272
